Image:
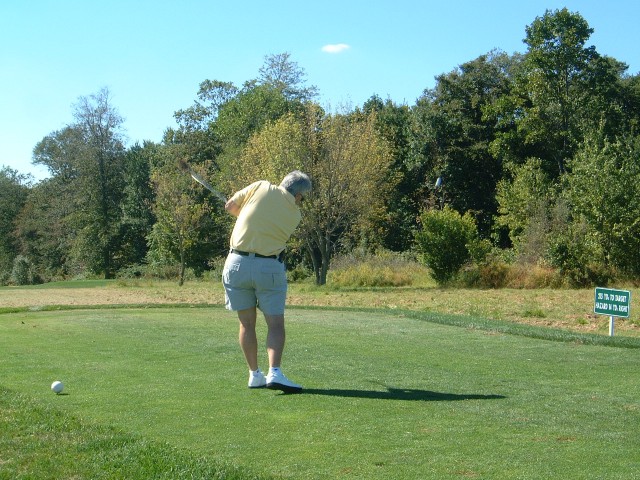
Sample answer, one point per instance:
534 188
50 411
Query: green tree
100 194
22 273
247 113
137 203
604 191
277 149
352 178
86 161
403 203
286 76
348 162
525 199
453 134
62 152
562 90
224 117
630 93
14 189
44 232
180 218
212 95
557 61
197 133
47 227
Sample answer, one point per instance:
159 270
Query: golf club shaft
208 186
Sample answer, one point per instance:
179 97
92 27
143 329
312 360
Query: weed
384 269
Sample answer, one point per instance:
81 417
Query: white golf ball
57 386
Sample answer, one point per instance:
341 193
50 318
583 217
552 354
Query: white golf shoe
257 379
277 381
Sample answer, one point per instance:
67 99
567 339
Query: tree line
529 158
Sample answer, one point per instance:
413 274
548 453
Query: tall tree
558 61
393 122
349 164
197 133
631 102
563 93
453 134
62 152
562 90
182 218
604 190
48 223
14 189
45 231
137 203
86 160
280 72
249 111
102 181
224 116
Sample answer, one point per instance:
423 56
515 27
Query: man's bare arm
232 208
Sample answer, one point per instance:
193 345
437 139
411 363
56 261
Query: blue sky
153 54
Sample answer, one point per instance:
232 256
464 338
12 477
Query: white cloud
335 48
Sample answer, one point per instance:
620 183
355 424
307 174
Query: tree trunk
324 269
324 248
182 267
315 263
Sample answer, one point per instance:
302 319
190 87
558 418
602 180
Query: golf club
184 166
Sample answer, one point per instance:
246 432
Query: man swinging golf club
254 273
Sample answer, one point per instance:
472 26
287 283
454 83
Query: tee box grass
387 395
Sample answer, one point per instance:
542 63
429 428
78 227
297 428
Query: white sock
274 370
254 372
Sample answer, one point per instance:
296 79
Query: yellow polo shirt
268 216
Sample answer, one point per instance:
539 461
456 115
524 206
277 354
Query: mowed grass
570 310
161 393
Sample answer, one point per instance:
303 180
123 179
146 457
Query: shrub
579 258
444 241
21 272
498 273
299 272
383 269
132 271
534 276
155 271
492 274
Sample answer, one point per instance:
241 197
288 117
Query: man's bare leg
275 339
247 336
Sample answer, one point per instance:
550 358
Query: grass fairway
386 396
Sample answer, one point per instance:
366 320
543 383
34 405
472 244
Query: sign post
615 303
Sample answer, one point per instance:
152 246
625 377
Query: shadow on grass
399 394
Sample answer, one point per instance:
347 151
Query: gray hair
296 182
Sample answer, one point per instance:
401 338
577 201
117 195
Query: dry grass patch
558 308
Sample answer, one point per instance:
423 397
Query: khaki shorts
251 281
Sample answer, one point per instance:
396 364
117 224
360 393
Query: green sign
616 303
